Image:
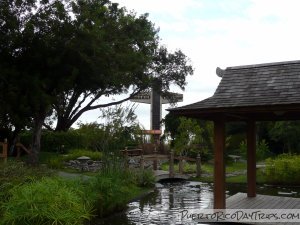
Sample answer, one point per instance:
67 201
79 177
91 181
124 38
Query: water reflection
165 204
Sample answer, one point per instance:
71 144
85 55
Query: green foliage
114 167
58 58
207 167
144 178
48 201
237 132
189 135
171 123
118 128
59 142
57 161
243 149
74 154
187 167
30 197
284 169
190 138
262 150
16 173
115 186
260 178
286 132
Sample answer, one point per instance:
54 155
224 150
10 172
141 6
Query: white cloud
167 8
259 31
283 10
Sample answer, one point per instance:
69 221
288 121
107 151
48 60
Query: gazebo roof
268 91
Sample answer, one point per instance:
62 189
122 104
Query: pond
166 203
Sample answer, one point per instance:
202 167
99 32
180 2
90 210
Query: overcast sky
220 33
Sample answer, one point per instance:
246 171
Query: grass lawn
239 179
232 167
55 160
208 168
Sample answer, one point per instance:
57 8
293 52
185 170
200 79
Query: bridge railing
155 157
180 164
20 147
132 152
3 154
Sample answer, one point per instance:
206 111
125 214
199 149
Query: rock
284 193
90 162
83 158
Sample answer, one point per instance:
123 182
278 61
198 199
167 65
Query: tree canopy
58 57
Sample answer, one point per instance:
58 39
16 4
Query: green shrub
144 178
56 141
187 167
48 201
57 161
28 196
109 137
262 151
243 149
74 154
285 169
16 173
114 188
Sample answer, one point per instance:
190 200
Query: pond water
166 203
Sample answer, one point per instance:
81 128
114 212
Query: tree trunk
62 125
36 140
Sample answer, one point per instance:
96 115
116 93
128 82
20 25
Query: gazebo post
219 167
251 159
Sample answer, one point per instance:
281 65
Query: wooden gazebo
261 92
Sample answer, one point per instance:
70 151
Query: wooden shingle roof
273 86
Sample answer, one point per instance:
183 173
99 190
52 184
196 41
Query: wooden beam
219 170
251 158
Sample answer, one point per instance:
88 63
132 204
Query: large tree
59 57
126 59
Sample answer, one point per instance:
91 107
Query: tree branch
48 127
89 107
72 102
79 105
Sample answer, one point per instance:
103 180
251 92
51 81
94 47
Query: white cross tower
156 101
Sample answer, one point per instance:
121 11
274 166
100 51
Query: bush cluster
56 141
284 169
37 198
114 188
47 201
16 173
57 162
87 137
262 150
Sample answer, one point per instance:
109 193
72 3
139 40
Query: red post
126 158
251 158
198 164
171 164
155 159
4 150
219 170
180 165
142 162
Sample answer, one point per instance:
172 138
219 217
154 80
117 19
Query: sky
219 33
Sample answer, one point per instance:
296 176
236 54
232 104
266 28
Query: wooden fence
3 154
